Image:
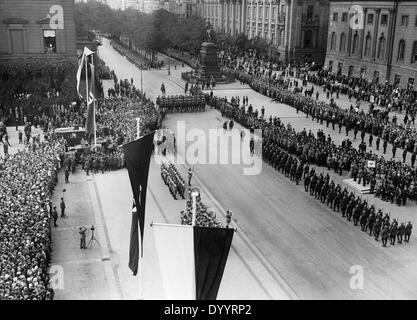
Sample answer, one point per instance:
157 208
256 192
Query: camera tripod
93 238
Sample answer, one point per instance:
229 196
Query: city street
287 245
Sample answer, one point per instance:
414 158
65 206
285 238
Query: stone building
377 41
297 28
37 28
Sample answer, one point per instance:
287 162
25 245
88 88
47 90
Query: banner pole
86 85
94 105
140 271
194 196
137 128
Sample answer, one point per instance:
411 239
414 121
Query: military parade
181 103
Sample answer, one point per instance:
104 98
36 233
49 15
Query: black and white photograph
221 151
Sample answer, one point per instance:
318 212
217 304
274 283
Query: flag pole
194 196
137 128
140 271
94 105
86 84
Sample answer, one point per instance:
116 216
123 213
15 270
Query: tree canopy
156 31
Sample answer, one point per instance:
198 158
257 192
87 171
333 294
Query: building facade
37 28
297 28
187 8
377 41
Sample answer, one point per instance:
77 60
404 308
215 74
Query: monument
209 66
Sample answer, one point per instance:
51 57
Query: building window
342 42
355 46
273 13
401 50
368 41
384 20
17 41
281 37
333 41
330 65
381 47
335 16
414 53
370 18
308 39
397 79
344 16
49 41
283 9
310 12
350 72
404 21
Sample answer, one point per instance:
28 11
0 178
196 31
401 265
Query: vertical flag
192 259
80 68
87 52
89 123
138 155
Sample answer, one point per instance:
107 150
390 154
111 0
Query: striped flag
87 52
192 259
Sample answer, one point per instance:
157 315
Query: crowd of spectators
27 180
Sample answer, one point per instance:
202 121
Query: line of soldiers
173 179
181 103
278 152
205 217
337 199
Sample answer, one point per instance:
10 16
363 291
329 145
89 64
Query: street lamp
195 192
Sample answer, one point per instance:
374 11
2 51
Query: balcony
281 19
309 21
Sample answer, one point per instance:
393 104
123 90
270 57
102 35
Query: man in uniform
400 233
407 233
385 235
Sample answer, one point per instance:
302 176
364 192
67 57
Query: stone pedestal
209 62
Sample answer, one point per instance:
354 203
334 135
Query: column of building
270 21
263 18
362 34
250 19
233 8
257 18
376 28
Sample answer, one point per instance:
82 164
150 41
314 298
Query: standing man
66 172
384 146
62 205
228 218
408 229
82 231
413 159
55 216
190 175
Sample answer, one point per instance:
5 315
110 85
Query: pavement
287 245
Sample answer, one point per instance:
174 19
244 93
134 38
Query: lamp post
137 128
195 192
